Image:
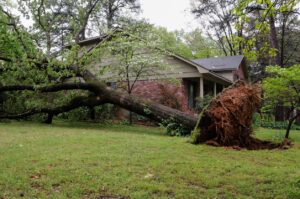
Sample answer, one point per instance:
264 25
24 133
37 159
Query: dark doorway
193 87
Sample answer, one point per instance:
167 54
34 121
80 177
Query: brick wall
158 92
239 72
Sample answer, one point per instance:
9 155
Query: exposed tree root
227 119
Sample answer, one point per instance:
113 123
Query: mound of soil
227 119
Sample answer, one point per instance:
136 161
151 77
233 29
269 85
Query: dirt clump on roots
227 120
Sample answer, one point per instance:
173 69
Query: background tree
217 17
261 17
263 42
112 12
55 21
191 45
173 41
201 46
284 87
136 55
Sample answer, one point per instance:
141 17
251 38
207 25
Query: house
197 77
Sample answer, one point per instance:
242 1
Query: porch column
215 89
201 87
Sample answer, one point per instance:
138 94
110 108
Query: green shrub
105 111
78 114
201 103
175 128
269 122
83 113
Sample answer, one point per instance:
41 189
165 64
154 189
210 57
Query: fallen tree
103 94
225 122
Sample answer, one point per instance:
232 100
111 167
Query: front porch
201 86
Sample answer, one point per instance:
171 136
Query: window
112 85
236 77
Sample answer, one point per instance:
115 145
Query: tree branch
52 88
73 104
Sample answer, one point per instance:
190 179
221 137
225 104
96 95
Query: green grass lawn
81 160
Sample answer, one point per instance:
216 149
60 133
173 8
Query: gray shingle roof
220 63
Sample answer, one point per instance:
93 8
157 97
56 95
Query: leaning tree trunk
137 105
103 94
291 121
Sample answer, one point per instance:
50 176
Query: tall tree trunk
48 40
279 112
284 19
240 34
109 14
274 40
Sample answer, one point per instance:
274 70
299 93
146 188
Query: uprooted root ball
228 118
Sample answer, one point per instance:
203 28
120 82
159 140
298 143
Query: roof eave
198 65
220 77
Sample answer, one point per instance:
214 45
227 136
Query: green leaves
253 19
133 56
283 86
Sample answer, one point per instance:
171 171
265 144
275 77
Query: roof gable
220 63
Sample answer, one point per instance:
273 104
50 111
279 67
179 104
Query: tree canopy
283 87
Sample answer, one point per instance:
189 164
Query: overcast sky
172 14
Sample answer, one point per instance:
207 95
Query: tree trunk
148 108
109 14
287 133
103 94
142 107
291 120
49 119
273 38
48 40
92 113
130 118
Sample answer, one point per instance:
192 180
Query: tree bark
291 120
279 116
143 107
274 40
